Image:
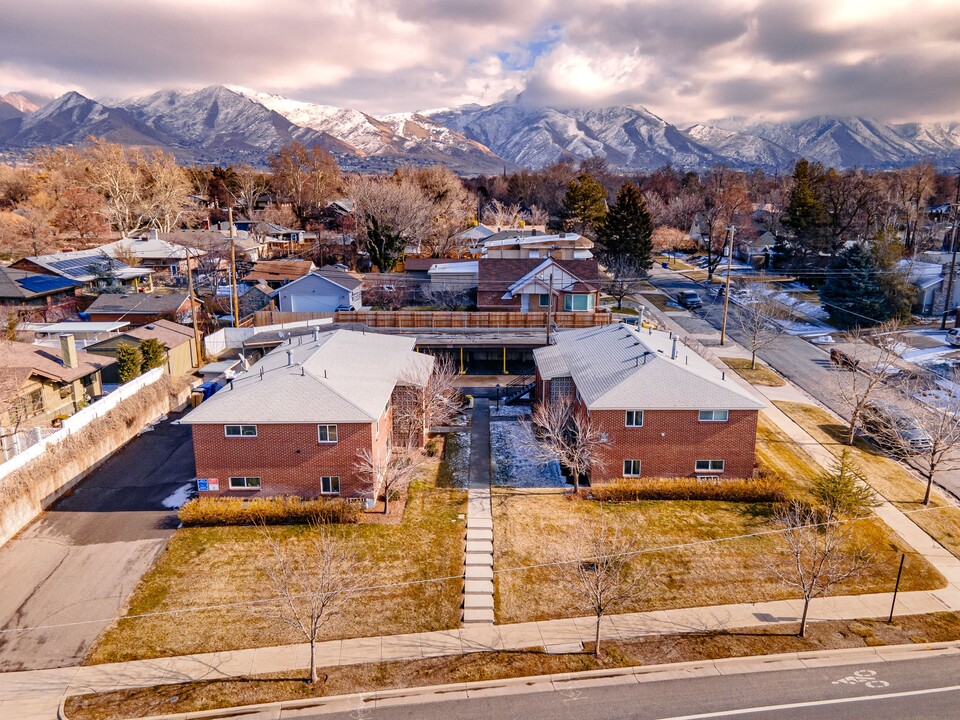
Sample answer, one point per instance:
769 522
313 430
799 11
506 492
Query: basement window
631 468
709 466
330 485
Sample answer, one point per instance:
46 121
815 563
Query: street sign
203 485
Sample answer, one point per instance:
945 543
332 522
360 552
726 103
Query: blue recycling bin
665 265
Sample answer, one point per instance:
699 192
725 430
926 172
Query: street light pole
726 293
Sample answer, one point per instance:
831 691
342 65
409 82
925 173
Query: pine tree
627 230
129 362
855 293
152 354
804 215
584 205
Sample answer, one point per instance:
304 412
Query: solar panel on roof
43 283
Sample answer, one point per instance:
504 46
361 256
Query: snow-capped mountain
741 148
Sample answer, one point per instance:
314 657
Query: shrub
686 488
207 511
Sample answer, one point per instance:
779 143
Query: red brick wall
670 442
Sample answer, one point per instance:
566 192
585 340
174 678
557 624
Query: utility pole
233 270
550 308
948 299
193 311
726 293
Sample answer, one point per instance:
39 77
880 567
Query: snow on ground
510 411
513 464
457 454
178 497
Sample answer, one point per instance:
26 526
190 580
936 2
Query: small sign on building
208 485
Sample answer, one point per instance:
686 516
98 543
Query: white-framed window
631 468
330 485
634 418
327 433
544 299
577 301
709 466
244 483
714 415
232 431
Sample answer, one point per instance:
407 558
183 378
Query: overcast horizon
686 61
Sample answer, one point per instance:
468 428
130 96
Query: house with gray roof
295 421
666 410
325 290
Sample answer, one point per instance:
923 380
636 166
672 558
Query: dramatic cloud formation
683 59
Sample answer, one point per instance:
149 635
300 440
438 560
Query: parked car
689 299
953 337
893 429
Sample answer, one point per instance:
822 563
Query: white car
953 337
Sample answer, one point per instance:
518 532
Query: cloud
683 59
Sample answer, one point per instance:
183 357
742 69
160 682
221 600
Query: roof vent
289 358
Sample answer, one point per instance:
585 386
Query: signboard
208 485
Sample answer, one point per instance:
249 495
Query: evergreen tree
152 354
129 362
584 205
627 230
859 290
804 216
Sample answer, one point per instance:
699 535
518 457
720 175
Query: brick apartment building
294 423
667 411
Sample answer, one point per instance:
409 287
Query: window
709 466
327 433
714 415
634 418
330 485
631 468
244 483
578 302
544 299
240 430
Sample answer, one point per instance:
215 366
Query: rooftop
86 265
616 367
138 304
26 285
149 247
279 270
335 376
21 360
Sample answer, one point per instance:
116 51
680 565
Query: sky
686 60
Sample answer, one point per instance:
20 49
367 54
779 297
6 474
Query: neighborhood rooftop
86 265
341 376
26 285
616 367
138 303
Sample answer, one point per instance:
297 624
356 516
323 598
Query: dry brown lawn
760 375
718 565
216 566
890 479
347 679
661 301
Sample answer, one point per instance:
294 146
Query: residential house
84 333
295 422
666 410
177 341
324 290
756 252
35 296
216 244
454 276
91 268
562 246
277 273
419 268
526 285
276 240
930 277
165 258
141 308
40 385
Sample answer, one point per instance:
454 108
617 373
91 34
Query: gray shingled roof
616 367
342 376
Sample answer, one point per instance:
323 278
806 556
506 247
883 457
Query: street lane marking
814 703
862 677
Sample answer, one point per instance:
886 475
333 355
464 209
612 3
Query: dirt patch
760 375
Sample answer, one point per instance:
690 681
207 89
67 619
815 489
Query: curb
566 681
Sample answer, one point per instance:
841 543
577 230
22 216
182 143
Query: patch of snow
512 463
510 411
458 460
178 497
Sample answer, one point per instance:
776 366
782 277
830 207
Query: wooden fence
415 319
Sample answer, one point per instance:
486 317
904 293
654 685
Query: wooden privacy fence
415 319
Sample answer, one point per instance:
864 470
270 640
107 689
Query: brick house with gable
524 285
294 423
666 410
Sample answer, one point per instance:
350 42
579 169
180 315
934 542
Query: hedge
687 488
208 511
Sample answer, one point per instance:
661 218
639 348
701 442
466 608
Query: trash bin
665 265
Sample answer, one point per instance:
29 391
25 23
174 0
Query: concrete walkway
478 555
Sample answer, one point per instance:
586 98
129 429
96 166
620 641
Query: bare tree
451 207
822 553
389 474
392 214
927 433
312 577
500 214
445 298
625 278
251 186
606 573
307 176
564 432
762 322
387 297
872 358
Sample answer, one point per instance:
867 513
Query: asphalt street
80 559
806 365
927 688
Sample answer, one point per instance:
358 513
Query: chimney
289 358
673 350
68 349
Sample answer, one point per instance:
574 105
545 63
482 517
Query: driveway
79 561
